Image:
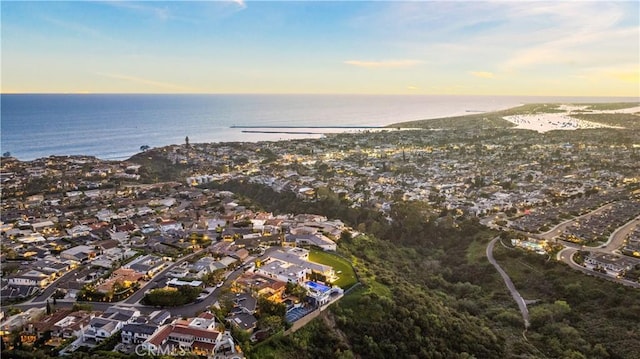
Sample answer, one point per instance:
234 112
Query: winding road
522 304
615 241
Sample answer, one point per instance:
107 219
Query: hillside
428 291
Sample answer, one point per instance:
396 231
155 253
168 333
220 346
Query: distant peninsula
541 118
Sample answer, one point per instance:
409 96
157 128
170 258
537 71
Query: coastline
114 127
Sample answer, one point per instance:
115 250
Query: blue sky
573 48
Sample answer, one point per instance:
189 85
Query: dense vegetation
171 297
428 291
155 167
611 106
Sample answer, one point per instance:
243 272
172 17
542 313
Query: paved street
53 286
566 255
139 294
133 301
522 305
616 240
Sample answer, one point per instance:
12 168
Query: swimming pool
317 287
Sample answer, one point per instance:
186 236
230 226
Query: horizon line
308 94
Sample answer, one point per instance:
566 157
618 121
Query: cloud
72 26
241 3
413 88
482 74
161 13
153 83
79 29
593 37
383 64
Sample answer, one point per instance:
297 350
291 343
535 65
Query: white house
137 333
32 278
100 329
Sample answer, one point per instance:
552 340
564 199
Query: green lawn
346 275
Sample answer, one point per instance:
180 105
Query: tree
81 306
17 341
345 236
272 323
268 308
6 154
186 141
296 290
144 148
48 308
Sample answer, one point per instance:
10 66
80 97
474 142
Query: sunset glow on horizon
567 48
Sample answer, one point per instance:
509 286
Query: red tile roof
198 333
161 335
206 315
203 346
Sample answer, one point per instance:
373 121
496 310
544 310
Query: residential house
44 227
611 263
159 317
79 230
170 225
198 335
124 315
18 292
298 258
52 268
283 271
150 265
20 320
99 329
204 266
271 288
79 253
48 323
315 239
176 283
319 294
243 321
123 276
137 333
32 278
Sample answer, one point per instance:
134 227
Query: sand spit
543 122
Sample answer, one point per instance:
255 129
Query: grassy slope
347 277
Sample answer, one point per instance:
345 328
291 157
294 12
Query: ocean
113 127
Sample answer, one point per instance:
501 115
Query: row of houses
611 264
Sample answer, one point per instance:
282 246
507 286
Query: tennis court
297 313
